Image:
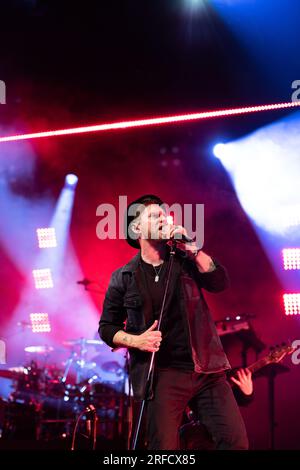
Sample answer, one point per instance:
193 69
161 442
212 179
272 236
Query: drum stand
78 360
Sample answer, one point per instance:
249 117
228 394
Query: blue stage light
71 179
264 168
219 150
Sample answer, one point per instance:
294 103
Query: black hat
146 200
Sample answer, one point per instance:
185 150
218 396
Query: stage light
71 180
264 168
40 323
195 3
193 6
225 153
42 278
46 237
59 231
153 121
291 304
219 150
291 258
61 221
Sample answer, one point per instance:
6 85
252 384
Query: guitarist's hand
244 381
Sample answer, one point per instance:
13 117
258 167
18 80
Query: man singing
190 363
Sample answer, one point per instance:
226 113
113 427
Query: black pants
210 397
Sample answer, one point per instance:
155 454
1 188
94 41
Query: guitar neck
259 364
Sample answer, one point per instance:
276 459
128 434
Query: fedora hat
133 211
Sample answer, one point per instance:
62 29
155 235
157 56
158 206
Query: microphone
182 238
24 323
84 282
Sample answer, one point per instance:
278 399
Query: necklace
156 279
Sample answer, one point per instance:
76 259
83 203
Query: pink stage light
291 304
291 258
152 121
42 278
40 323
46 237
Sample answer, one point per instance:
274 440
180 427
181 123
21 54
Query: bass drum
60 410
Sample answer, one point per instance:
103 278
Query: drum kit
47 399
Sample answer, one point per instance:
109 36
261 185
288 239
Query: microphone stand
86 283
150 374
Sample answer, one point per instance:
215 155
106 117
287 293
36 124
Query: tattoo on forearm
127 340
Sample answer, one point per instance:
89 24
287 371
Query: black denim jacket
127 306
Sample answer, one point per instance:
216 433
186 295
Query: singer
190 363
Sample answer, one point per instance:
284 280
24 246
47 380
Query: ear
135 227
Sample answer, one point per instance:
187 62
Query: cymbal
39 349
83 342
82 364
